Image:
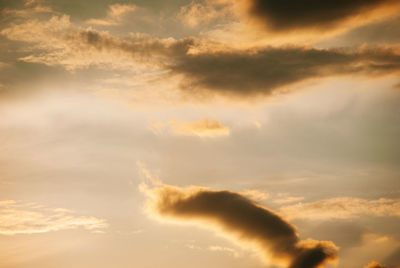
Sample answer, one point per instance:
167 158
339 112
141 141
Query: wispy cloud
29 218
115 15
288 199
255 194
342 208
202 128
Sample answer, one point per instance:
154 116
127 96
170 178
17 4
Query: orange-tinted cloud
243 220
203 128
375 264
115 14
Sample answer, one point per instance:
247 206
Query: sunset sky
200 133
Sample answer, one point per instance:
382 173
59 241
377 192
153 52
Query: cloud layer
243 220
201 66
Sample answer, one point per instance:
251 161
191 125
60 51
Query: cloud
255 194
243 220
29 218
342 208
290 199
115 14
203 67
264 71
197 13
201 128
57 42
209 13
290 15
231 251
375 264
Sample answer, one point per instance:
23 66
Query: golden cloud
29 218
202 128
115 14
248 223
375 264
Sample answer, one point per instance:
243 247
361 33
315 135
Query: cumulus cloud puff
241 219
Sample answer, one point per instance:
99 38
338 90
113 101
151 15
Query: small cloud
290 199
257 124
115 14
375 264
231 251
202 128
197 13
255 194
30 218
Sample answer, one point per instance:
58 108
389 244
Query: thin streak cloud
30 218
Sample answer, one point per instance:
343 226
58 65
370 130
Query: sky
166 133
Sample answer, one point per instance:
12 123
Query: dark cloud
289 14
263 71
244 220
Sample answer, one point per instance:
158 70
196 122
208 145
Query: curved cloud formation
286 15
245 221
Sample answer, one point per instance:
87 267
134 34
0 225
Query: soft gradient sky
166 133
